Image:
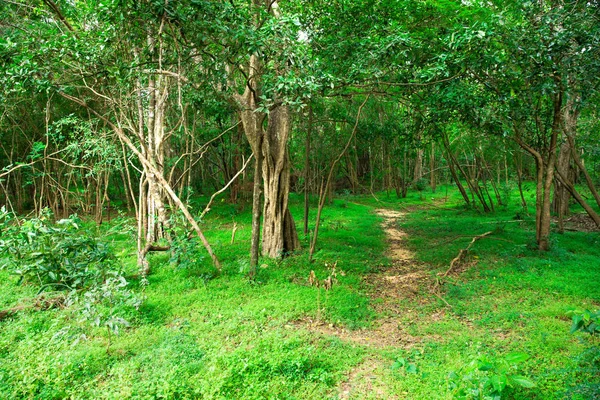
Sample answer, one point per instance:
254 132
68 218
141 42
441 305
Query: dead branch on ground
41 303
463 252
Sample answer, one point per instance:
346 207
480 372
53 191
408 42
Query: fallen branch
463 252
233 230
441 298
40 304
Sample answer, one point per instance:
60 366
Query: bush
56 256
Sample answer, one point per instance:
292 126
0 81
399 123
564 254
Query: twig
235 227
441 298
463 252
207 208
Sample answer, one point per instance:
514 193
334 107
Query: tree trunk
432 167
544 234
569 186
418 171
307 169
545 166
279 231
256 192
452 166
583 169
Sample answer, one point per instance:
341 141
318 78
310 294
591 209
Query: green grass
203 336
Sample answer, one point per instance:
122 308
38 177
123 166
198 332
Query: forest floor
400 280
391 326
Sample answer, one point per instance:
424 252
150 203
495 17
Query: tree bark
307 169
256 212
432 167
279 231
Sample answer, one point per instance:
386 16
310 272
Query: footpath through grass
203 335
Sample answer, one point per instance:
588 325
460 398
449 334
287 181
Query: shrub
54 256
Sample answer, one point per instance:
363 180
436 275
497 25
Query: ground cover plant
500 327
299 199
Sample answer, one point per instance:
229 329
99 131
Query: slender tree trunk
544 241
519 168
545 176
323 190
307 169
452 166
432 167
256 210
583 169
569 186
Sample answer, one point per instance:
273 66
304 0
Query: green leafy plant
488 378
56 256
402 364
585 321
104 305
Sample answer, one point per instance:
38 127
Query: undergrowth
198 334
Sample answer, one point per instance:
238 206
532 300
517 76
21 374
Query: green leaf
516 357
498 382
520 380
400 362
411 368
485 366
577 323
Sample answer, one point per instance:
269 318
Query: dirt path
388 286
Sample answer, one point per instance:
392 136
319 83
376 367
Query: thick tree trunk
418 171
256 212
279 231
562 194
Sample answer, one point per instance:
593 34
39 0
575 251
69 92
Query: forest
299 199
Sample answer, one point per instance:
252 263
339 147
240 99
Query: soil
581 223
402 279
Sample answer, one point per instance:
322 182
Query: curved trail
388 286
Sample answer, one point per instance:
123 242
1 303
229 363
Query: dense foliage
193 136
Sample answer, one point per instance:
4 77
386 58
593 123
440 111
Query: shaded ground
581 223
